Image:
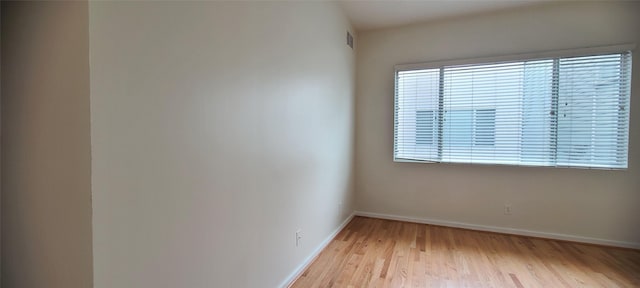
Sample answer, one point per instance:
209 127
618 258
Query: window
554 111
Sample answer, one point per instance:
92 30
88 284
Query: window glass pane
425 127
537 146
458 128
417 93
589 110
484 128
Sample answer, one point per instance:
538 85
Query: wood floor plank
383 253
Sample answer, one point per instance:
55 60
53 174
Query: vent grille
349 39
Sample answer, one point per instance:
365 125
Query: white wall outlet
298 237
507 209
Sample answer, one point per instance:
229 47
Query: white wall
46 156
585 203
218 129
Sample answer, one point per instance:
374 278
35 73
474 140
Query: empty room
392 143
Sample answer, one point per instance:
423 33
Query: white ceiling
374 14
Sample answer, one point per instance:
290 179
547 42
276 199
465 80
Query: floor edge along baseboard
503 230
309 260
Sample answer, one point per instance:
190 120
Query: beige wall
585 203
0 145
46 196
218 129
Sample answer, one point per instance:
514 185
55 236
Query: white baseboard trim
514 231
305 264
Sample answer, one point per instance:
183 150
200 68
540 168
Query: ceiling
374 14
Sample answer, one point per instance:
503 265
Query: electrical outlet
507 209
298 237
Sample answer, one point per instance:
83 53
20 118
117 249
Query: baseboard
521 232
305 264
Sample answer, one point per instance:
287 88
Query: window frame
580 52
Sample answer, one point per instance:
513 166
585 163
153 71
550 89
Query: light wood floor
381 253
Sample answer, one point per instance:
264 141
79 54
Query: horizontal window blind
563 112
